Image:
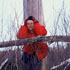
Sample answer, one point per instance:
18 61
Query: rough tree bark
34 8
50 39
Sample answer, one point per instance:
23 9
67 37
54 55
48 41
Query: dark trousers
31 61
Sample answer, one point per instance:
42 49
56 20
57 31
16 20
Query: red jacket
40 48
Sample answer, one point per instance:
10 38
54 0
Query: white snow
68 60
3 63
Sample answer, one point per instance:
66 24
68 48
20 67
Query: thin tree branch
62 66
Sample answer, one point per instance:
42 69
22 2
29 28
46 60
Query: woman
32 28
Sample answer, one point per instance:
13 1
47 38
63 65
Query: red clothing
40 48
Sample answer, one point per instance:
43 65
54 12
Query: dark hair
30 18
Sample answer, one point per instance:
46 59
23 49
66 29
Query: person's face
30 24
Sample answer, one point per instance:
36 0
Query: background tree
34 8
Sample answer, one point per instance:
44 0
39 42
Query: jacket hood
30 18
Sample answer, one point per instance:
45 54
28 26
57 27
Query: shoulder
37 25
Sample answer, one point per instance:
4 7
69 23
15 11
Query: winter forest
53 14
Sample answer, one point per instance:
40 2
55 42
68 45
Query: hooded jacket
40 48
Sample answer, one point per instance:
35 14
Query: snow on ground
3 63
67 61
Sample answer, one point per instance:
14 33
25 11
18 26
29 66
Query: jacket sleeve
22 32
40 30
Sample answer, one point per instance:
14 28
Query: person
32 28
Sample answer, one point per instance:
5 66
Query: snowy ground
67 62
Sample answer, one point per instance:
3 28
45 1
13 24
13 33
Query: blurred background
57 22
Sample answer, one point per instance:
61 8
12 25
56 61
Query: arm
22 32
40 30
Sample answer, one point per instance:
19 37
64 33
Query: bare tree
34 8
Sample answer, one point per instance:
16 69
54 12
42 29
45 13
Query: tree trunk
34 8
